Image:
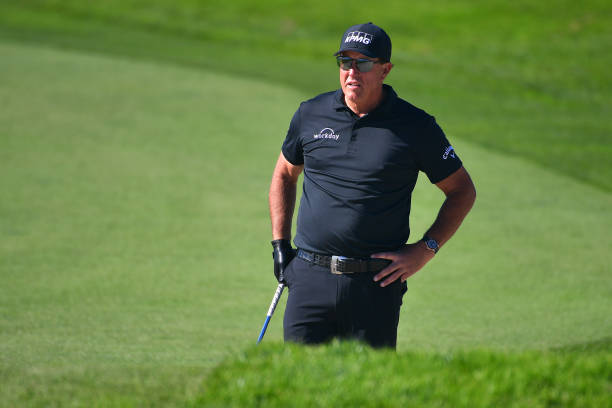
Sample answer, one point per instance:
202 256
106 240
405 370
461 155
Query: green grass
524 79
134 167
122 204
133 236
350 375
100 386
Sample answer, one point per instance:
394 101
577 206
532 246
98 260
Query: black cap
368 39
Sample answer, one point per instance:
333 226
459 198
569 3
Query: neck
362 107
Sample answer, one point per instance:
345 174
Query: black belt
340 264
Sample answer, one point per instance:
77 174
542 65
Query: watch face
432 244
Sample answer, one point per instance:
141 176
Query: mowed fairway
134 235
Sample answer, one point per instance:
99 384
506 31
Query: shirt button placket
351 145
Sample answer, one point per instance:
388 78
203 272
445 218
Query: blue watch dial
432 244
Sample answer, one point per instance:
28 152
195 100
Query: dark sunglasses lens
365 65
345 63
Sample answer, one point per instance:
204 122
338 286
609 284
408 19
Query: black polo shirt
359 173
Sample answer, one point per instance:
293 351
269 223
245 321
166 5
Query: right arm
282 197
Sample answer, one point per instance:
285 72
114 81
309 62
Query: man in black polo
360 149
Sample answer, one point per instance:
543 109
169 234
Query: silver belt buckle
334 264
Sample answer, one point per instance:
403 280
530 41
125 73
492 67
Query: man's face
362 87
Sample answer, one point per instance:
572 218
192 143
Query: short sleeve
292 146
436 157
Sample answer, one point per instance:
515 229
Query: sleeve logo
449 152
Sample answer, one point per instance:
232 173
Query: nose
353 70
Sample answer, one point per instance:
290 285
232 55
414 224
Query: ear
386 69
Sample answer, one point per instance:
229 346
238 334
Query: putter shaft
275 299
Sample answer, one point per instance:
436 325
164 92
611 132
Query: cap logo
360 37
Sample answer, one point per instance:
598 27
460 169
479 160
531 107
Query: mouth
352 84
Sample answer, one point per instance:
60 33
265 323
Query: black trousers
322 306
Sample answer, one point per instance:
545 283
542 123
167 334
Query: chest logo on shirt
449 152
327 133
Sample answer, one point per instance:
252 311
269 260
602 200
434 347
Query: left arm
460 196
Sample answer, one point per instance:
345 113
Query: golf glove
282 254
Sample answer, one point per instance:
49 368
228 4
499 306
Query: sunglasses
362 64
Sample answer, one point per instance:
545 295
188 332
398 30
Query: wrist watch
431 243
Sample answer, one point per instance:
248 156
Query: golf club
275 299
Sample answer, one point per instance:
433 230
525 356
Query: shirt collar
338 101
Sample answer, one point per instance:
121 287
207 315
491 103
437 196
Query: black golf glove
282 254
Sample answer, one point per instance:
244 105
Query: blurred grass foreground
351 375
